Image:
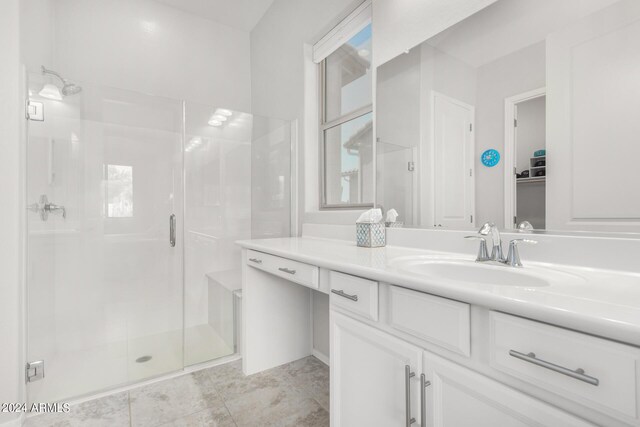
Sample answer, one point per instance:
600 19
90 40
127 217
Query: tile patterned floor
296 394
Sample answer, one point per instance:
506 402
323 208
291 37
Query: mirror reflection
525 111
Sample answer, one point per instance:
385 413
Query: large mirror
528 110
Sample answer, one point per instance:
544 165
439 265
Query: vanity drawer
437 320
295 271
355 294
592 371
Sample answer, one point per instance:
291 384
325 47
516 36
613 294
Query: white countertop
607 303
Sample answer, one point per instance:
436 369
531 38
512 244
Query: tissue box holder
371 235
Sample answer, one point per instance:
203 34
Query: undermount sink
468 271
461 270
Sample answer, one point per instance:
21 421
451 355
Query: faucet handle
513 257
483 253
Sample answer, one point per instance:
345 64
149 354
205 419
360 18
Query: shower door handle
172 230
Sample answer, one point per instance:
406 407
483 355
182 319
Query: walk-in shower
134 205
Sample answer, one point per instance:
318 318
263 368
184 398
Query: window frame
325 126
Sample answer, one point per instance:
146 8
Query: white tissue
392 215
371 216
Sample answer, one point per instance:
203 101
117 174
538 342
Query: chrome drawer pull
256 260
578 374
423 399
286 270
407 396
342 294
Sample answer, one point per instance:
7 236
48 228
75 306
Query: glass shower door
397 180
217 214
104 273
238 186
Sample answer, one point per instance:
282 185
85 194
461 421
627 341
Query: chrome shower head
68 88
71 89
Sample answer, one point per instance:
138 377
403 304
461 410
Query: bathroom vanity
431 338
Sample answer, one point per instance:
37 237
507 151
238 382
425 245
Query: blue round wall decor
490 158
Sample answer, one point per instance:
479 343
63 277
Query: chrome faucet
489 228
513 257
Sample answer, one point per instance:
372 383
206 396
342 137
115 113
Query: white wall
278 75
510 75
278 85
10 214
141 45
398 100
403 24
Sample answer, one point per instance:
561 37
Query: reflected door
453 155
104 279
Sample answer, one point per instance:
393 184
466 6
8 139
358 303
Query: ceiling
510 25
241 14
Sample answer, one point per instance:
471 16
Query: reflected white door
454 190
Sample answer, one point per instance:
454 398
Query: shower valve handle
44 208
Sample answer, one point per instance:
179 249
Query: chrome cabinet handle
407 393
578 374
344 295
286 270
423 399
256 260
172 230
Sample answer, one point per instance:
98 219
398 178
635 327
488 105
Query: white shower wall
153 49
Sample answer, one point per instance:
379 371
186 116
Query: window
119 189
346 122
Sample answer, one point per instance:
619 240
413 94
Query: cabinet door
458 397
368 376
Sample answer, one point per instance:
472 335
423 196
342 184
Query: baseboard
320 356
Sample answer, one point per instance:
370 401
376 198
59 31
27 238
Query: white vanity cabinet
400 356
459 397
370 371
